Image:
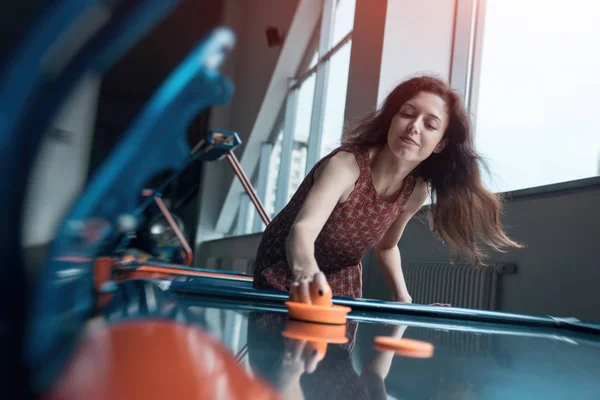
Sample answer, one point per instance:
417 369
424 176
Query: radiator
461 285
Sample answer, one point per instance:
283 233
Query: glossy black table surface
477 355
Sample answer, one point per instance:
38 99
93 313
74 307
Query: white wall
60 170
418 39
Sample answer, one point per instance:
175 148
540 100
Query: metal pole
189 257
263 177
237 168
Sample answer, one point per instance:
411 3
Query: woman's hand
300 357
308 283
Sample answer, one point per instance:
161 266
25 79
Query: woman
362 195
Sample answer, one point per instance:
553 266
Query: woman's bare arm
333 181
386 250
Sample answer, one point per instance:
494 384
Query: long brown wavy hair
463 212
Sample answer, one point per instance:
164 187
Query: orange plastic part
318 299
123 275
316 336
102 271
135 257
315 332
154 360
405 347
333 314
177 271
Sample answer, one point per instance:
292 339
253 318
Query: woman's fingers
320 290
303 291
298 349
294 292
311 360
321 282
311 289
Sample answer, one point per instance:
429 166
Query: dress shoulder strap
361 155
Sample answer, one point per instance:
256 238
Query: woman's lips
409 140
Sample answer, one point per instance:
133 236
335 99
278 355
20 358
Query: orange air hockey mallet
321 309
316 336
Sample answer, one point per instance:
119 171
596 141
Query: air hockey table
97 326
476 354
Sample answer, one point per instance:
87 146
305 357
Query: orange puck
334 314
321 333
316 336
405 347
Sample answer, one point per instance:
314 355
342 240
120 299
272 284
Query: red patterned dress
353 228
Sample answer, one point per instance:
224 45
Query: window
344 19
314 113
536 97
265 183
301 133
274 161
242 219
314 60
250 215
335 104
298 166
331 82
314 110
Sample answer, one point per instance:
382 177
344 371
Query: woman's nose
416 126
413 128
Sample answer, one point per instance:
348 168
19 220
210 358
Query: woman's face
418 127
